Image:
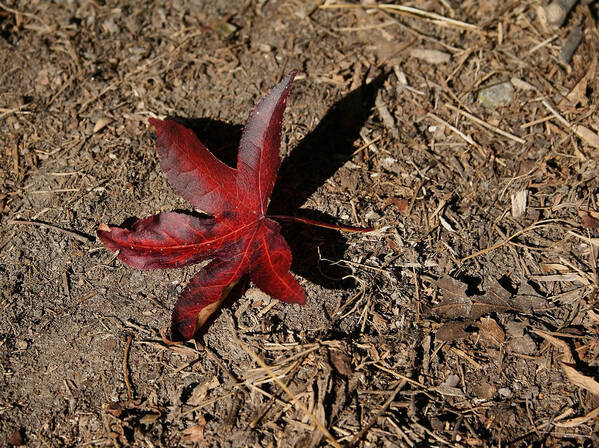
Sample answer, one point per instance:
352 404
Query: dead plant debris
468 319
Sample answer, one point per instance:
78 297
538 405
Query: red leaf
239 237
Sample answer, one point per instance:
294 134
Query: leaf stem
312 222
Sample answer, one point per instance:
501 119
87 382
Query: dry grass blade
78 236
534 226
561 345
435 18
293 397
15 110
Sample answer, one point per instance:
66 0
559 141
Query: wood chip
195 433
519 203
430 56
341 361
101 123
490 330
578 420
586 135
580 380
570 45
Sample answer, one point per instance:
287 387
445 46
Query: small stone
515 329
496 95
21 344
110 27
390 164
42 79
505 392
555 13
264 48
523 345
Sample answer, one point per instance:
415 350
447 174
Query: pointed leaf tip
259 156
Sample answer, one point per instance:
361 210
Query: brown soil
460 322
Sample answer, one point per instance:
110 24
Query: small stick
126 368
85 297
556 114
366 145
466 138
65 285
282 385
76 235
412 12
537 121
580 131
511 237
382 409
487 125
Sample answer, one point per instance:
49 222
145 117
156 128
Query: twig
578 420
15 110
410 11
487 125
126 368
293 397
220 364
581 132
511 237
466 138
17 13
366 145
65 285
382 409
556 113
76 235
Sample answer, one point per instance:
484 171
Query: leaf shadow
315 159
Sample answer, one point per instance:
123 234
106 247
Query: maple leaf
239 237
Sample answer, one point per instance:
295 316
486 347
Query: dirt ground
469 138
